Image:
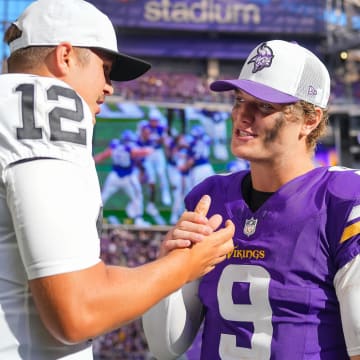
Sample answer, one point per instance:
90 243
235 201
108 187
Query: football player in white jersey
55 292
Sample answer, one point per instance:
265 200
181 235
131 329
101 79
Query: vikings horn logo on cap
263 58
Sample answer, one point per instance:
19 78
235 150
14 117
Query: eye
266 107
239 100
107 71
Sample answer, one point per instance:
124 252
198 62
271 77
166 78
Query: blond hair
303 109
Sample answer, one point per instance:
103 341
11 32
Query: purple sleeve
343 222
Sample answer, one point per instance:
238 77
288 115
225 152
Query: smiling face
265 132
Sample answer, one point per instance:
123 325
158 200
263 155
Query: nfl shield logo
250 226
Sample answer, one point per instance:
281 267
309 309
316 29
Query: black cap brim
126 68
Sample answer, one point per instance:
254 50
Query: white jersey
50 206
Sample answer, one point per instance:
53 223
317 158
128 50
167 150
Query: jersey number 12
30 131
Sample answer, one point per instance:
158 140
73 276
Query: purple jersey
199 150
273 297
156 136
122 161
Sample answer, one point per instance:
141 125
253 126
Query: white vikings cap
281 72
50 22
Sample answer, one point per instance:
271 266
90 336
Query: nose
245 112
108 88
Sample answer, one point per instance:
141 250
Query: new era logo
312 91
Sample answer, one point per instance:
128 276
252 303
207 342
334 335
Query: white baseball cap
281 72
50 22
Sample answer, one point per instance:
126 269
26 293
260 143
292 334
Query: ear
63 55
311 122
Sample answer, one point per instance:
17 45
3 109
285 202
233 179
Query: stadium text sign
261 16
202 11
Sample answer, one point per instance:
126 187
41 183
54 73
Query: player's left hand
191 228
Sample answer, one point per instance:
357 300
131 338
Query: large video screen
126 130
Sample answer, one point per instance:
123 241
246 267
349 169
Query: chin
239 152
237 149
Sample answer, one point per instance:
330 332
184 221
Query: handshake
197 238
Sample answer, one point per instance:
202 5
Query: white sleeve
171 325
54 205
347 286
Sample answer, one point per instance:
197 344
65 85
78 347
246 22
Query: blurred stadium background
189 44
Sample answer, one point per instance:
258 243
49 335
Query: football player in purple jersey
176 151
154 134
198 163
149 167
56 293
290 289
123 175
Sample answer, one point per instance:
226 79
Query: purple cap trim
255 89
